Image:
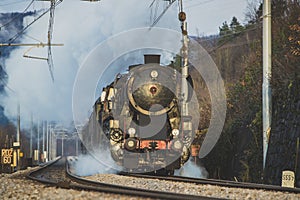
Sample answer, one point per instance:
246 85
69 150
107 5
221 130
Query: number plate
6 156
288 179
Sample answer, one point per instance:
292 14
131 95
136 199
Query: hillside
238 54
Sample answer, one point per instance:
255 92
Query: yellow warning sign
6 156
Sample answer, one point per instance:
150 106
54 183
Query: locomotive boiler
140 113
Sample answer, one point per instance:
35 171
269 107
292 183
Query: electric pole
187 124
267 74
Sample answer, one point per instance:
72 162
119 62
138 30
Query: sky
204 16
81 26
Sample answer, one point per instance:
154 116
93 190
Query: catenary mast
267 69
187 124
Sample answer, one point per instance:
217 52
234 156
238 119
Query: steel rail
117 189
72 181
224 183
34 175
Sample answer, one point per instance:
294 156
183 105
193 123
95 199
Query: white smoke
80 26
87 165
193 170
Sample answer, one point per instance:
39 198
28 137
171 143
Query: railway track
58 174
49 173
216 182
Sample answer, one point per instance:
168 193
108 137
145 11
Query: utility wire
16 36
5 84
11 3
12 39
256 26
161 15
152 3
200 3
239 44
32 38
49 59
17 16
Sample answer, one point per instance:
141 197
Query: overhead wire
12 3
49 59
162 14
224 3
151 13
12 39
256 26
17 35
200 3
26 35
5 84
154 10
152 3
17 16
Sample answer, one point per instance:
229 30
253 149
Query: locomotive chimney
151 58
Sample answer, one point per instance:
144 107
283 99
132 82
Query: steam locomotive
140 115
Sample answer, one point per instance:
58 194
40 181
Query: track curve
58 174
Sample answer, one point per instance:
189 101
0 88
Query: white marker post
288 179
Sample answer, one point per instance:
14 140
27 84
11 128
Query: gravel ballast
193 189
17 186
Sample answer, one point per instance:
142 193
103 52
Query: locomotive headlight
154 74
175 132
130 144
131 131
177 145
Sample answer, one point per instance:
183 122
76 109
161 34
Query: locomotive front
140 114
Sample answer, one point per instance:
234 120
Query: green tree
228 32
235 26
239 150
224 29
